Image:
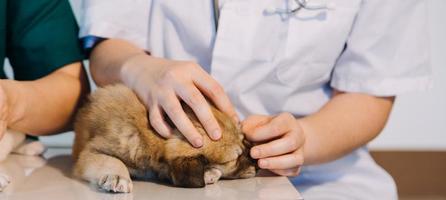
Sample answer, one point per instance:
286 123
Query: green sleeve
2 36
42 36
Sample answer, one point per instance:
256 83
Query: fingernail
263 163
255 153
216 135
164 132
198 142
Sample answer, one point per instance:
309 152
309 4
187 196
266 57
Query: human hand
162 83
11 108
279 140
3 111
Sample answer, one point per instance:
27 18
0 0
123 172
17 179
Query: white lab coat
270 63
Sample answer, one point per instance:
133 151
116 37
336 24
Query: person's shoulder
42 37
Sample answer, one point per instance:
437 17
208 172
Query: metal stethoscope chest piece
299 5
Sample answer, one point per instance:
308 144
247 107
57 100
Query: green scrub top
37 37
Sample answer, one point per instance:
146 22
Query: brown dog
114 141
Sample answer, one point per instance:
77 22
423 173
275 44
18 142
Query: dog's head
199 170
226 158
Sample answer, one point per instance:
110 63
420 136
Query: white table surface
49 178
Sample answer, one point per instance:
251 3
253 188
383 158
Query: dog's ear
248 145
188 171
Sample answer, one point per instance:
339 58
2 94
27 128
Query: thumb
3 127
254 121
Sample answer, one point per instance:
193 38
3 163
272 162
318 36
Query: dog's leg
107 172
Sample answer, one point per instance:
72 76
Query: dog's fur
15 142
114 141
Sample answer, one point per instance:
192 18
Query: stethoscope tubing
301 4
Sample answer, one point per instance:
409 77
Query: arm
107 60
160 83
346 122
46 105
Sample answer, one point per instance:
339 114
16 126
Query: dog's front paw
212 175
115 183
4 181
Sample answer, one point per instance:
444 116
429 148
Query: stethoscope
300 4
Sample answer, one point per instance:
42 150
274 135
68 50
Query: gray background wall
418 120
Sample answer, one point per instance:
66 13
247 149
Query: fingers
280 146
286 161
157 121
3 127
173 109
278 126
283 153
188 81
212 89
254 121
3 112
200 106
287 172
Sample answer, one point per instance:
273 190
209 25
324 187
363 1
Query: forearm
346 122
46 105
108 59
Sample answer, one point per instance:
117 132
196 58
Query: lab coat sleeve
387 52
123 19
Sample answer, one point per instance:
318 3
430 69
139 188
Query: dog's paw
212 175
248 172
115 183
33 148
4 181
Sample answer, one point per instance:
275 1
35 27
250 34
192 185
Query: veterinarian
314 81
39 38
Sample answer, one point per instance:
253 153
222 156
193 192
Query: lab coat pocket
316 38
247 33
304 75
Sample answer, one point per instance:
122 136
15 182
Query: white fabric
276 62
355 176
